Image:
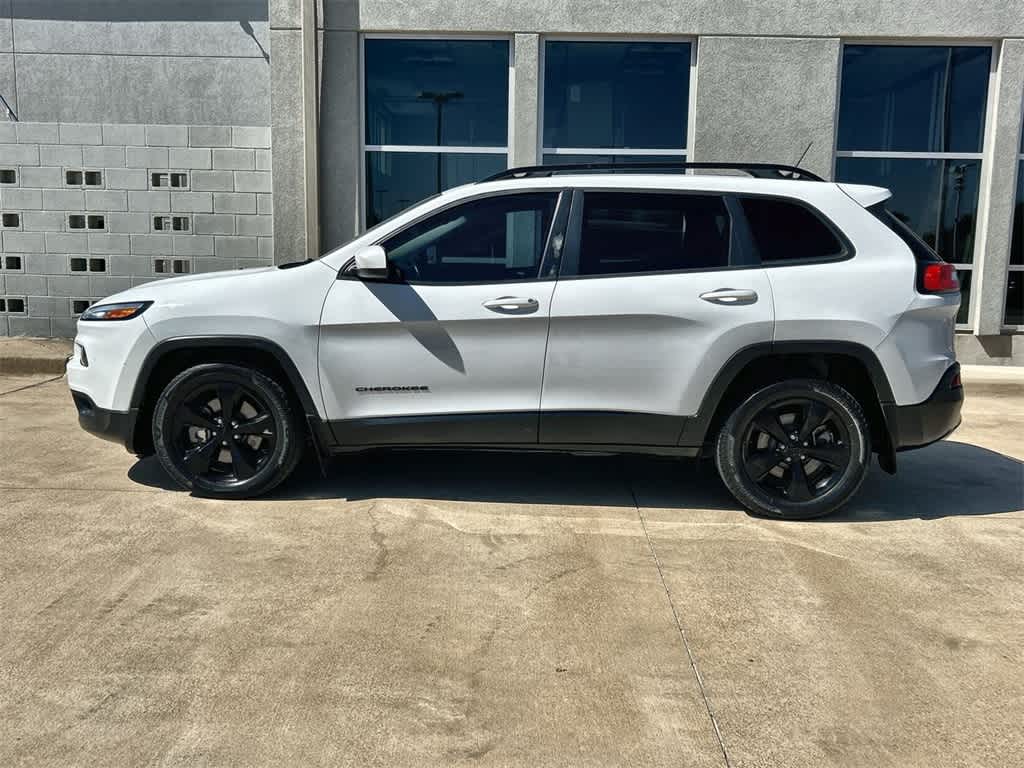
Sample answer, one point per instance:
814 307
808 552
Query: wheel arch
171 356
851 365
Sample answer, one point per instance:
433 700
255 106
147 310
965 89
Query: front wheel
795 450
226 431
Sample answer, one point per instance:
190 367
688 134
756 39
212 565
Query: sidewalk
23 354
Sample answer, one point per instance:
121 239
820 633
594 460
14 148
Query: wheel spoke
769 422
815 415
761 463
254 426
226 395
192 416
198 459
240 462
834 456
798 489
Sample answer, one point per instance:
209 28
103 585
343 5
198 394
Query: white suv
786 326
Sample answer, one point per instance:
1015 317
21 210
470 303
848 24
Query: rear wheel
226 431
795 450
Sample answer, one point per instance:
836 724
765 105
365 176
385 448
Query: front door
450 349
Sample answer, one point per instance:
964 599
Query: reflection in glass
437 92
938 199
965 295
616 95
1014 298
396 180
913 98
559 159
1017 246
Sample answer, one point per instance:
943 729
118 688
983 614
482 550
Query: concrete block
40 176
153 200
63 199
189 157
47 264
146 157
21 199
235 159
213 224
19 154
47 306
151 245
124 134
67 242
167 135
60 155
105 244
63 328
8 132
193 245
26 285
128 223
256 137
38 133
29 326
265 250
209 136
265 204
81 133
23 242
135 266
72 285
253 181
235 247
106 200
254 225
263 160
234 202
212 264
102 286
42 221
213 181
192 202
103 157
127 178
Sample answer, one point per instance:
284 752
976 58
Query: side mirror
371 263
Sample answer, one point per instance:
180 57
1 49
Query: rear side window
784 231
634 232
917 246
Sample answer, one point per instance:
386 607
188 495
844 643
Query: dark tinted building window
630 232
785 231
491 240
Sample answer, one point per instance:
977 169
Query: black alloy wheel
226 431
795 450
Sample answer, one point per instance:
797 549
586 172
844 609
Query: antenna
806 150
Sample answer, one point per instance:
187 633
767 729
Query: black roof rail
757 170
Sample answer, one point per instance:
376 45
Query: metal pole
310 144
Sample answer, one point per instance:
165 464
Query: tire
809 476
200 454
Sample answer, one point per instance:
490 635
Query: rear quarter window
785 231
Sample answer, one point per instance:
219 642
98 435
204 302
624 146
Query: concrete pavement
422 609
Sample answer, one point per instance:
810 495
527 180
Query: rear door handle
730 296
512 305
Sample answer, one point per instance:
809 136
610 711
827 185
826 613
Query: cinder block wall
89 210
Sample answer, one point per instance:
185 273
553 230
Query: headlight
125 311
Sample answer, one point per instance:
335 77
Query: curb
21 355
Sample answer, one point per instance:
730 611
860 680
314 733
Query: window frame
362 206
984 156
637 155
1013 328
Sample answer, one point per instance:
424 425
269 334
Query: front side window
784 231
436 117
615 101
912 118
635 232
490 240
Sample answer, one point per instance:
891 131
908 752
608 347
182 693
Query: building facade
370 106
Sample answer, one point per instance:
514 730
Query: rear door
656 292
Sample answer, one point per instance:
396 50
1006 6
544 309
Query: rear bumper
915 426
116 426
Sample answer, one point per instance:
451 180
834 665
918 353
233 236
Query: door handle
730 296
512 305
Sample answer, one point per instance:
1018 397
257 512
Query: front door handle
730 296
512 305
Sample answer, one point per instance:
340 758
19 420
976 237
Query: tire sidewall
185 383
729 450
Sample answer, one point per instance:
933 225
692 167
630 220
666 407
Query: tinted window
785 231
492 240
626 232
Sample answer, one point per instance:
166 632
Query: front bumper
915 426
116 426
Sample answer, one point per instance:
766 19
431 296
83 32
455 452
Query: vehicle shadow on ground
946 479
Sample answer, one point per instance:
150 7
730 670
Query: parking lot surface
434 609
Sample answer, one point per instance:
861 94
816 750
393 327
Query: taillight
939 277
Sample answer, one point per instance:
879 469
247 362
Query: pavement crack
679 625
30 386
383 555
